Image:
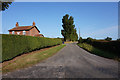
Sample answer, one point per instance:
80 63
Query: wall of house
10 32
16 32
20 32
27 33
33 31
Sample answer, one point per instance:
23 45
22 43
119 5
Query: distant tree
80 40
69 31
118 39
108 38
4 5
89 40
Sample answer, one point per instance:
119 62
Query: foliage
118 39
69 31
97 51
109 46
89 40
14 45
108 39
80 40
5 5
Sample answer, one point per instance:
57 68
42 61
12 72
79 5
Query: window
13 32
18 33
24 32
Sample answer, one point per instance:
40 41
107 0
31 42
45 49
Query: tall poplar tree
69 31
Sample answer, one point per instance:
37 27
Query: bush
118 39
108 39
80 40
14 45
89 40
111 46
97 51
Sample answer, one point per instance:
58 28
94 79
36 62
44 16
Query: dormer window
24 32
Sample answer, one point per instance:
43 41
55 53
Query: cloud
104 32
107 30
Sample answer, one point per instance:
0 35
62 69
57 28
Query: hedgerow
14 45
98 51
109 46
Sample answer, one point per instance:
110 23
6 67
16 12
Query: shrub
108 39
80 40
89 40
109 46
118 39
97 51
14 45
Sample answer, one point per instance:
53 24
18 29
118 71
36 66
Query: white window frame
24 32
13 32
18 33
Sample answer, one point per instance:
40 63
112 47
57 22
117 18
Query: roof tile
21 28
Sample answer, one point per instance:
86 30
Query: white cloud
103 33
107 30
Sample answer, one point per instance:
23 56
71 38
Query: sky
95 19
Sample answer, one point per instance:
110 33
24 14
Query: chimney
33 23
17 24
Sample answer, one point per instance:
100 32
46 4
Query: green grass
97 51
30 59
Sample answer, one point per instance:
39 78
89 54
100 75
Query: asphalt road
70 62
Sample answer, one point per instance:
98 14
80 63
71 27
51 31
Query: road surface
70 62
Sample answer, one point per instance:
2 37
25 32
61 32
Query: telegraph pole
79 32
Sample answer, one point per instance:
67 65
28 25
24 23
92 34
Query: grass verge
30 59
98 52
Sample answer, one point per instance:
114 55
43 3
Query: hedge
109 46
14 45
97 51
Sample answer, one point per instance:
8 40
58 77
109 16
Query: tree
69 31
80 40
118 39
108 39
4 5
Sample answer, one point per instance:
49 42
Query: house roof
21 28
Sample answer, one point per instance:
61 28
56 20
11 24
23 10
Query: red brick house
25 30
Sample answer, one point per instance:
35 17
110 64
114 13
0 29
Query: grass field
30 59
98 52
